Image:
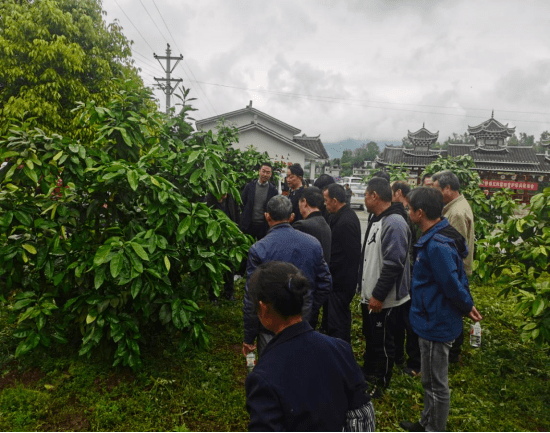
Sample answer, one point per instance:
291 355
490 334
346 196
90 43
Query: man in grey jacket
384 281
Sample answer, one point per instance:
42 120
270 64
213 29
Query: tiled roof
259 113
411 158
506 155
313 143
423 134
491 126
278 136
508 159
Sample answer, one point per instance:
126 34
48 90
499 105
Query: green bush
515 256
111 236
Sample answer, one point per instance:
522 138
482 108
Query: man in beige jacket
458 212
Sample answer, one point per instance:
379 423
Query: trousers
435 381
379 356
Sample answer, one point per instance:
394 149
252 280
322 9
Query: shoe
410 372
411 426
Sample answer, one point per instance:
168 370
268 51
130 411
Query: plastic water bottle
250 361
475 335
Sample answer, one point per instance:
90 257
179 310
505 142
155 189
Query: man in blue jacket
283 243
440 297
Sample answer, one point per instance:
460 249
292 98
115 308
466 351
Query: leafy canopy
54 53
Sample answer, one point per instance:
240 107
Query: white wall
266 143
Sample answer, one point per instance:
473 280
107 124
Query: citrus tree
108 235
515 256
54 53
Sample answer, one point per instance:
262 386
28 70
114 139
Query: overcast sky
362 69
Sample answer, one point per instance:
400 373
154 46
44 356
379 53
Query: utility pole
166 86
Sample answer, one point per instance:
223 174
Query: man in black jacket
313 222
295 181
344 262
255 196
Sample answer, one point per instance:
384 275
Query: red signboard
529 186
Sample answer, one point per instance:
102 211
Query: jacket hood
445 229
395 208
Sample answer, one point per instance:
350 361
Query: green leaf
29 248
23 218
133 179
102 254
538 306
99 277
136 287
139 251
22 303
184 225
195 176
116 264
28 344
58 155
30 174
167 263
193 156
165 314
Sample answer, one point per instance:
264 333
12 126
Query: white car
358 189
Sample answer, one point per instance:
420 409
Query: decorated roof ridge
305 136
424 131
491 125
486 149
279 136
313 143
428 154
293 129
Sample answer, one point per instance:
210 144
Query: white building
267 134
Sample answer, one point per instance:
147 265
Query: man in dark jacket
385 280
283 243
440 297
295 181
400 189
255 196
344 262
313 222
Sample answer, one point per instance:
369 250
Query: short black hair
323 181
447 177
268 164
430 200
279 208
281 285
336 191
297 170
382 174
313 197
424 177
400 185
380 186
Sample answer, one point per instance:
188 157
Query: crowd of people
410 270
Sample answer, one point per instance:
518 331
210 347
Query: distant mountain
335 150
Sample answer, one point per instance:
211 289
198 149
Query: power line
134 25
162 34
329 99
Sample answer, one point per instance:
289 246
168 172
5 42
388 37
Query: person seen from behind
304 381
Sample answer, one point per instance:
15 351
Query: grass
503 386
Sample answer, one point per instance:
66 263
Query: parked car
358 188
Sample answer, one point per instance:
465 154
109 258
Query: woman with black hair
304 381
